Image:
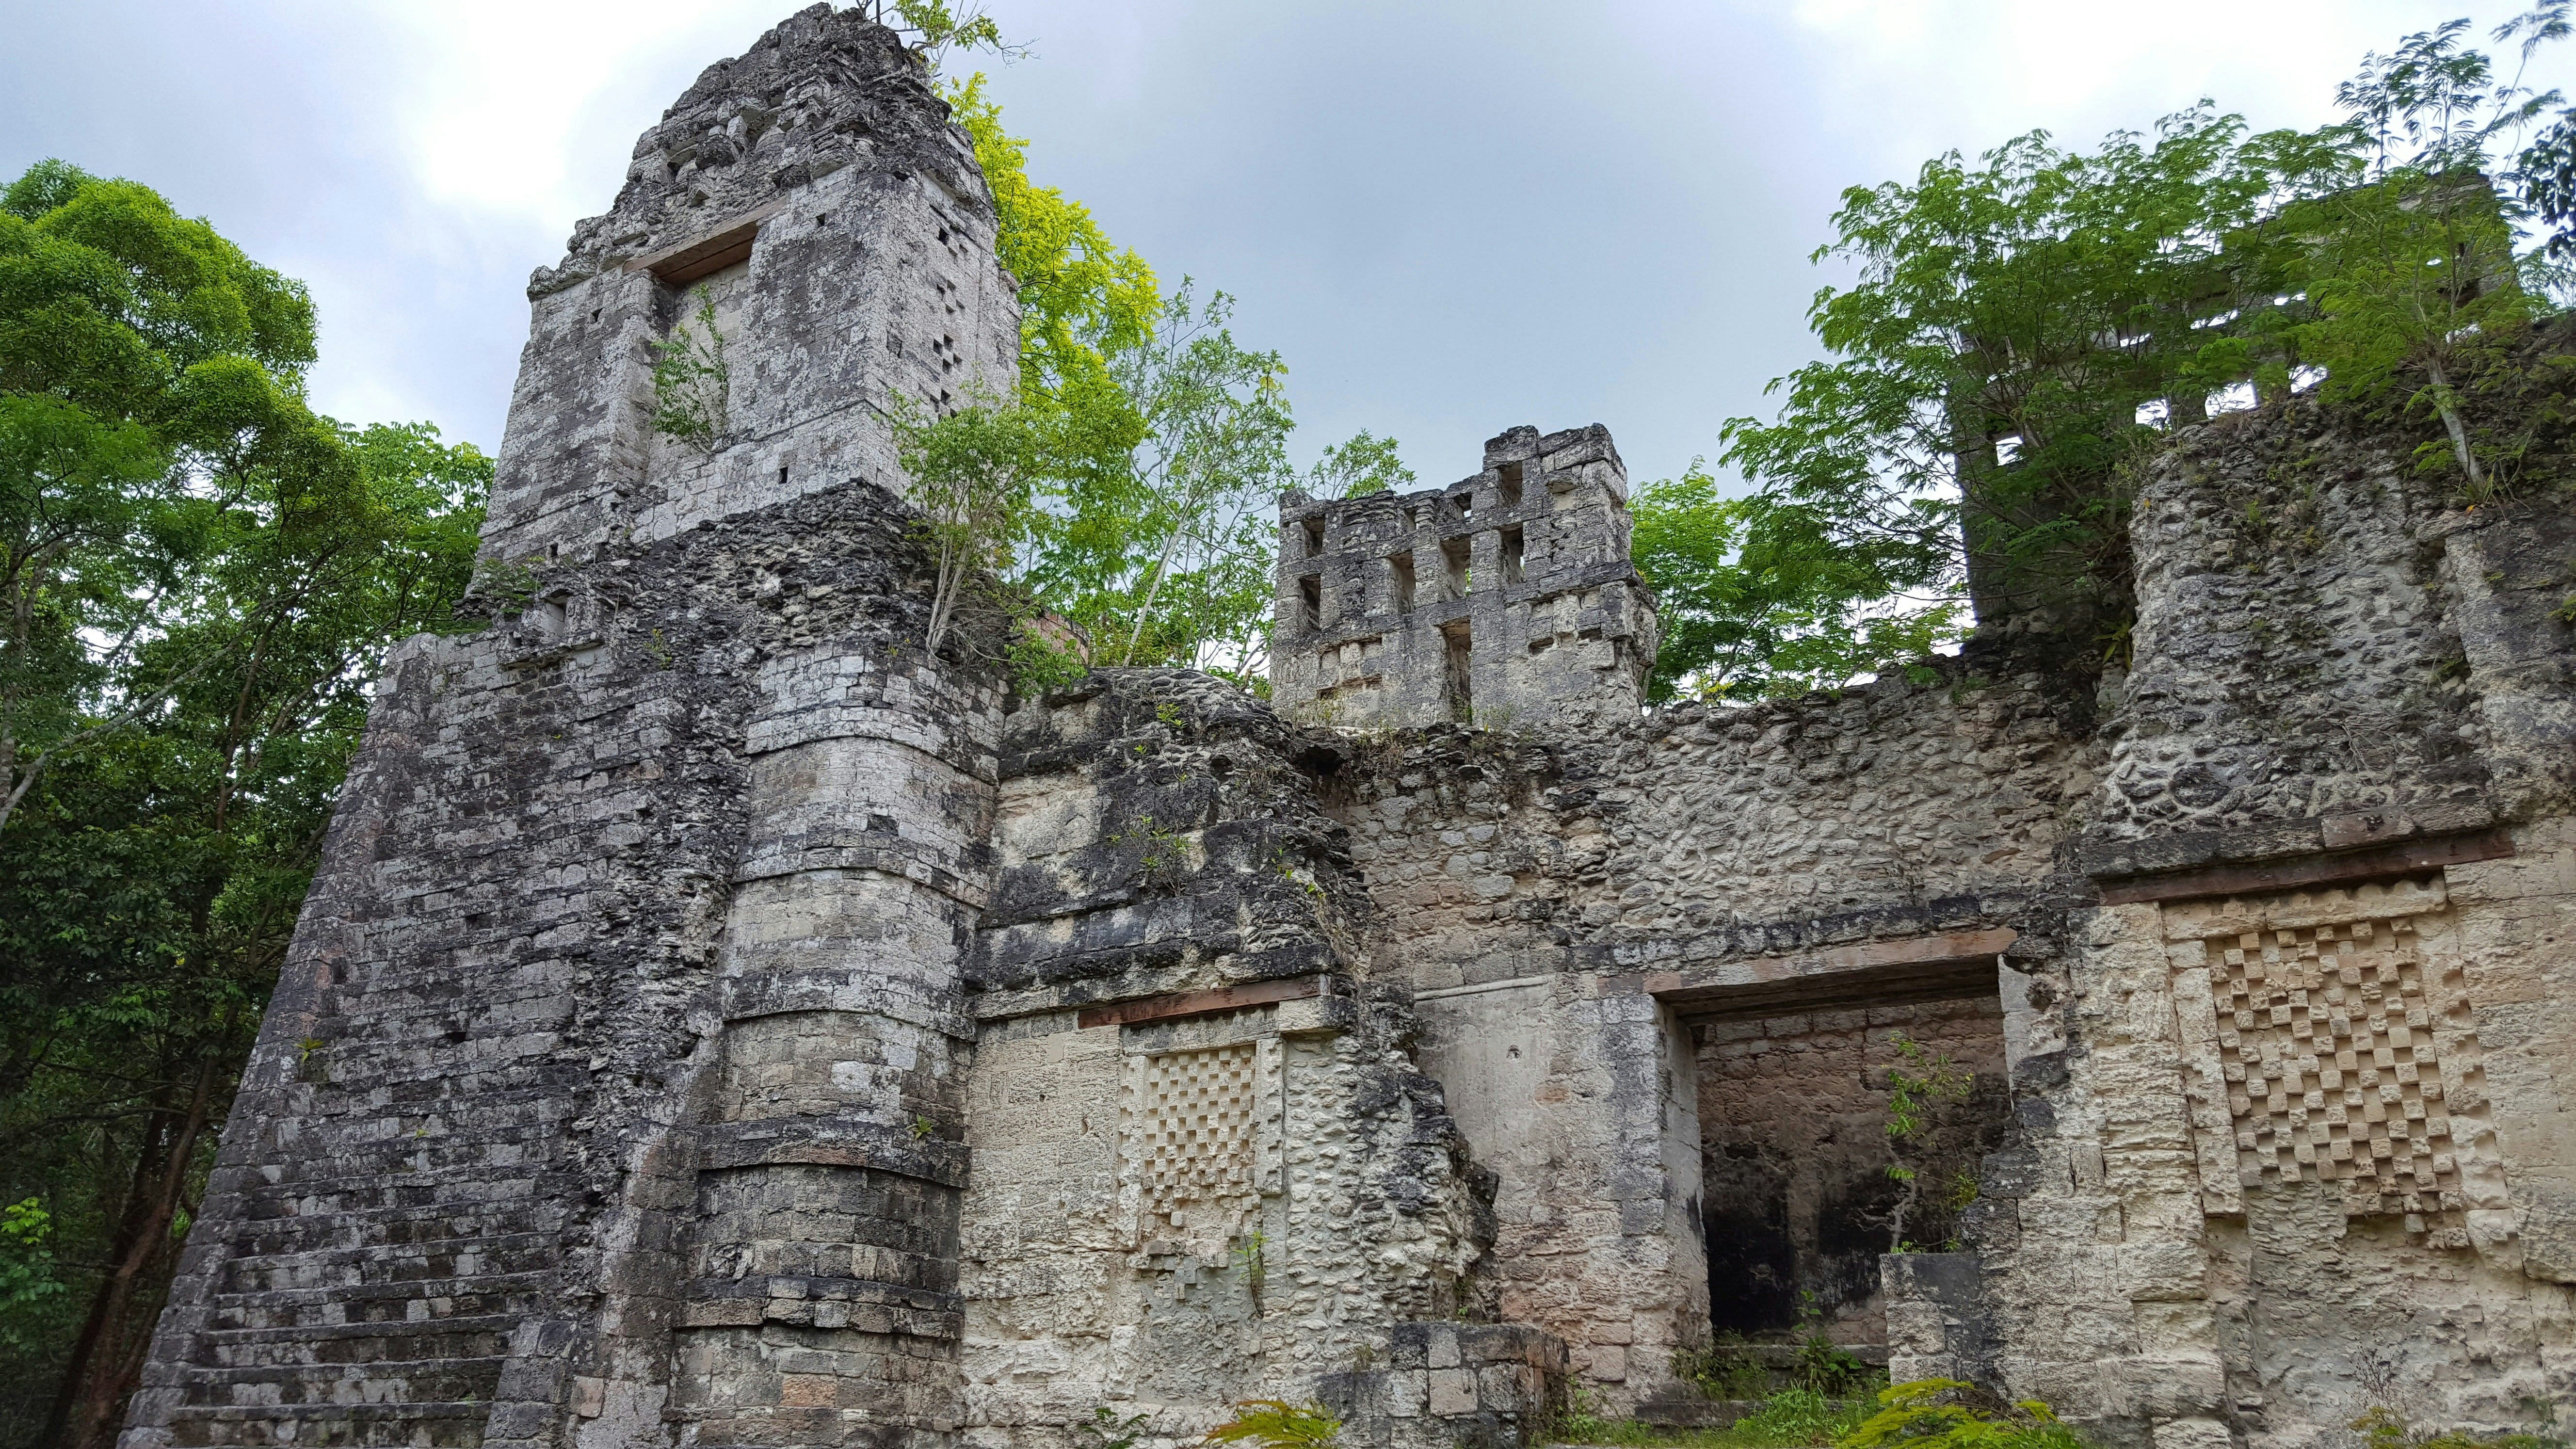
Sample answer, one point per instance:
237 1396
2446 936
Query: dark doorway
1796 1198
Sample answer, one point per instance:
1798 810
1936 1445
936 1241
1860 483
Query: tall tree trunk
107 1359
2451 424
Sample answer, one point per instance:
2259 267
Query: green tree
973 474
1755 599
1082 297
2412 272
2018 330
1364 463
201 575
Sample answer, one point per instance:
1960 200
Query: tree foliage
1165 438
200 575
1756 600
2024 327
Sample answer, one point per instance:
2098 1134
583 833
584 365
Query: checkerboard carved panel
2341 1046
1194 1141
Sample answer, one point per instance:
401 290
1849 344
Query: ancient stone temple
720 1022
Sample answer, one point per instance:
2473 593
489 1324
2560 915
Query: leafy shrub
1721 1369
1796 1417
1949 1414
1278 1424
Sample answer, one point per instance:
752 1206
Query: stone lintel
1205 1003
685 262
1914 968
2381 862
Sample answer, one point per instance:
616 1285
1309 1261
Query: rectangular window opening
1454 677
1310 602
1400 584
1510 486
1512 554
1314 537
1453 554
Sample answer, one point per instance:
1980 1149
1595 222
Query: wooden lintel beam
1200 1003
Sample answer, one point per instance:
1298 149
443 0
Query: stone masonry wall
1205 1167
455 1196
1506 598
1562 910
2273 1180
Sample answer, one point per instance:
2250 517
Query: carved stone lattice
2326 1040
1190 1140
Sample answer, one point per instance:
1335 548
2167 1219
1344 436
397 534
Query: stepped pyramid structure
718 1022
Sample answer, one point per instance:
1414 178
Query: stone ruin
1381 621
718 1023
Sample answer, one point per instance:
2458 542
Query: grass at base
1790 1419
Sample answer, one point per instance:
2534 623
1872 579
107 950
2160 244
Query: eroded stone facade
719 1022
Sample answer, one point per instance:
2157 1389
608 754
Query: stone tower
1505 598
612 1088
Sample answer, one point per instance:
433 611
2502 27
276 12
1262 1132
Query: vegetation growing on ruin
692 385
2027 327
1279 1424
1158 442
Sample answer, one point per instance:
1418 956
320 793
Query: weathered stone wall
457 1192
1205 1167
1504 599
815 192
1564 905
2272 1179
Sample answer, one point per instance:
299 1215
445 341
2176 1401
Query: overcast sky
1451 217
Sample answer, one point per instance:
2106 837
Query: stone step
455 1424
454 1380
444 1340
426 1301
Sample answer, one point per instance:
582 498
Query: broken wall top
810 236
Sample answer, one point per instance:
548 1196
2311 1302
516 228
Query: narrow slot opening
1512 554
1466 504
1510 485
1310 602
1454 677
1314 537
1401 585
1453 555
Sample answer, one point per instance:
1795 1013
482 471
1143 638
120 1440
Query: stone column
821 1306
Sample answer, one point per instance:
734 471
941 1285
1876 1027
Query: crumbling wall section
1563 906
1506 598
1205 1166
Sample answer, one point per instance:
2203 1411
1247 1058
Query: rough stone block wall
1205 1168
1562 909
1506 598
2272 1179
